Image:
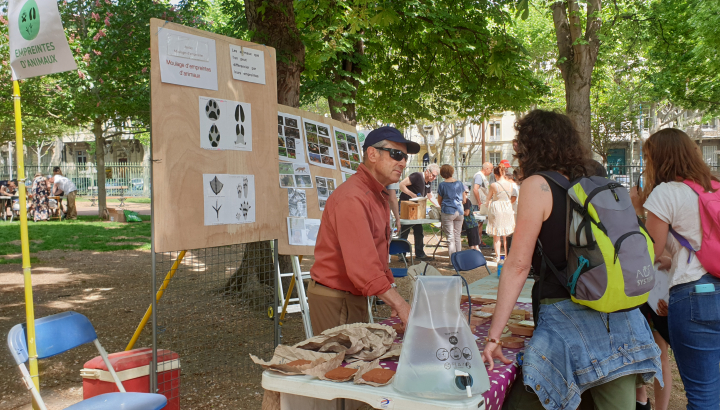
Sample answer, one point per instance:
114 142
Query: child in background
471 226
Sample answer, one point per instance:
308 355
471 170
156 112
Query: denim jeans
694 324
575 349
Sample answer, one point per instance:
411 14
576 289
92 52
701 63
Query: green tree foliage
397 62
685 49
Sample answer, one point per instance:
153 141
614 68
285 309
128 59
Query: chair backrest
54 334
467 260
398 246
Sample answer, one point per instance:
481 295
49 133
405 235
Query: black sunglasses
395 154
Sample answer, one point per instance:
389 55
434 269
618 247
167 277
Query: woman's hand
493 351
665 262
662 308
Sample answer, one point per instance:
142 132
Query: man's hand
398 225
399 306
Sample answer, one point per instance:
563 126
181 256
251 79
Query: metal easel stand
294 305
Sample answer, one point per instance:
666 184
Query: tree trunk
345 111
100 166
275 26
56 158
577 55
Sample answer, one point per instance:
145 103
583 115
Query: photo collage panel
290 145
225 124
319 144
348 150
325 187
295 175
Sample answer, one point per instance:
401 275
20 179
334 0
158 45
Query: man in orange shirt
351 251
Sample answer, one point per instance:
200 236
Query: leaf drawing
217 209
216 185
245 186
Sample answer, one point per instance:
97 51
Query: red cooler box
133 369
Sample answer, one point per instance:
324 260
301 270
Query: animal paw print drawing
244 208
240 191
239 127
245 187
214 135
212 110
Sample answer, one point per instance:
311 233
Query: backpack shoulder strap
557 178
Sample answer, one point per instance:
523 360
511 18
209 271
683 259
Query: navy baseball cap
390 134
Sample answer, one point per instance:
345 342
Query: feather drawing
239 191
216 185
217 209
245 186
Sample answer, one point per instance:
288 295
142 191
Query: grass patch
87 233
4 261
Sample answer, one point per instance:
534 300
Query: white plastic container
438 342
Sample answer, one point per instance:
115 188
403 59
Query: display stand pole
304 308
25 243
296 280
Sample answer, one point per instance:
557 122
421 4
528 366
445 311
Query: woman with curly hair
673 221
576 353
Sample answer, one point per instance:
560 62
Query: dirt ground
112 290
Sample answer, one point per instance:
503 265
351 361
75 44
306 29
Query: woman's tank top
552 237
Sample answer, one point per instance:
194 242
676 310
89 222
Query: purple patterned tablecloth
501 377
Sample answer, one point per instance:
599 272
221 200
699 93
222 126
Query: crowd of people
40 195
578 357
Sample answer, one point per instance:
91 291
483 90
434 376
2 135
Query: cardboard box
116 214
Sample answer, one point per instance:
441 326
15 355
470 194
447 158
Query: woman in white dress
501 217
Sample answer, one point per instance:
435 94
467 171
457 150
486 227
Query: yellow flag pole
25 243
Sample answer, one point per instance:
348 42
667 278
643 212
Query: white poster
348 150
303 231
295 175
38 45
187 60
247 64
229 199
325 187
297 203
290 143
225 124
319 144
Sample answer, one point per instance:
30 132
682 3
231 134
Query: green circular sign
29 20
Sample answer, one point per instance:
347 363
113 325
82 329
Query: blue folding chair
468 259
401 247
64 331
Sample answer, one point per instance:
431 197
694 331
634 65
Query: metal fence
213 315
130 179
628 175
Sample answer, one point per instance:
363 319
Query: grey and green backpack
610 254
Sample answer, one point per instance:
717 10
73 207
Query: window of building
495 133
81 157
710 155
646 120
494 158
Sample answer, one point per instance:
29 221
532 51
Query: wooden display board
180 162
313 208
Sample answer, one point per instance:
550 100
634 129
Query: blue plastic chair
64 331
468 259
401 247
